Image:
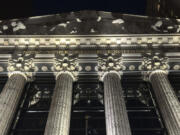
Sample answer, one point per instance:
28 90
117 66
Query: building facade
99 83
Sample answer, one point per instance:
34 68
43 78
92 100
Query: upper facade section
89 23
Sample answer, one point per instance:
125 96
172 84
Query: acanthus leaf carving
66 64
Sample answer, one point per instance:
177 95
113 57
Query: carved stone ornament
156 63
21 64
110 64
66 64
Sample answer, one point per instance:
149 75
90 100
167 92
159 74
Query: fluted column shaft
117 122
167 101
58 122
9 100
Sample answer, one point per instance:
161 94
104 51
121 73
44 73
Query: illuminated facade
99 83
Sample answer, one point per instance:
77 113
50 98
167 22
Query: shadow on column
35 107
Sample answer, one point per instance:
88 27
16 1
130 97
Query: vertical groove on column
167 101
58 122
9 100
117 122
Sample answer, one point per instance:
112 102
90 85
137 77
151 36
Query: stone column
117 122
58 122
9 100
167 101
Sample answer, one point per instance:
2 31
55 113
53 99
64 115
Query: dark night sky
25 8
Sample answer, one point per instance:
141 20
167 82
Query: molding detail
67 72
18 72
157 71
77 40
106 73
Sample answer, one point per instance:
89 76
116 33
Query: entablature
89 55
